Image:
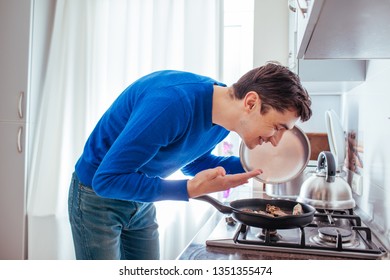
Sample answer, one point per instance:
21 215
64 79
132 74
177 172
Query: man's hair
278 88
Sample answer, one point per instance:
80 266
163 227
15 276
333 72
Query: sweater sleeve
119 175
231 164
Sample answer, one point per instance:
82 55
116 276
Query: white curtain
97 48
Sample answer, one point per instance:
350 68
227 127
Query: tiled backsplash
367 121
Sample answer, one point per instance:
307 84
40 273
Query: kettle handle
327 161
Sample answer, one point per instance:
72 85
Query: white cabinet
14 57
15 18
12 189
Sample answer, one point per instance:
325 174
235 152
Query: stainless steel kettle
325 189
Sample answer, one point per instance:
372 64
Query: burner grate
338 233
337 245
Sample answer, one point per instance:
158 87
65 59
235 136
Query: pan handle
216 203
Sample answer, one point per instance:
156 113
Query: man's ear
251 101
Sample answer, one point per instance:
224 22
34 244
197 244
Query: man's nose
275 139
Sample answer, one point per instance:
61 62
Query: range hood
343 29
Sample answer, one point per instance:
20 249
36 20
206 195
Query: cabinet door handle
20 104
19 141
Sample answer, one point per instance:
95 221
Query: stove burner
273 235
335 237
331 234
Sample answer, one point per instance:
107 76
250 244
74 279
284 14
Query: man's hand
215 179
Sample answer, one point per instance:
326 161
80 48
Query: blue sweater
161 123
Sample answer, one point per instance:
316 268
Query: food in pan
257 212
275 211
297 210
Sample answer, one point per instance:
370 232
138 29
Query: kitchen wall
271 32
367 122
321 102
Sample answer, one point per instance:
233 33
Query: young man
163 122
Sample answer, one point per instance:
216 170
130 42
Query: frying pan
263 221
279 164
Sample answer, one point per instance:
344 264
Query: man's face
255 128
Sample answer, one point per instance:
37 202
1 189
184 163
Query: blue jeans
110 229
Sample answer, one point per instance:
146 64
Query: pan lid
281 163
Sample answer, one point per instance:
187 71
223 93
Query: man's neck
225 108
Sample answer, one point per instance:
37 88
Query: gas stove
338 233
